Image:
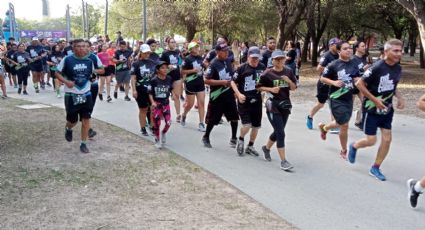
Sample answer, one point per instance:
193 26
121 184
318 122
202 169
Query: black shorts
193 88
112 69
341 110
142 99
52 74
109 70
78 112
217 108
251 112
322 92
372 121
36 67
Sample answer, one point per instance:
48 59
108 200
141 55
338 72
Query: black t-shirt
220 70
360 62
172 57
346 72
122 56
35 51
193 62
161 89
292 54
154 57
55 58
382 80
9 55
271 78
327 58
67 51
144 71
246 78
266 58
212 54
22 58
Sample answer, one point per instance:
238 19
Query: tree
417 9
290 12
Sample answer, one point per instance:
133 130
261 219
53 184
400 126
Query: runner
67 51
360 58
277 82
212 54
22 60
46 70
122 58
105 77
250 105
172 56
141 72
2 73
75 72
222 100
323 89
161 85
340 75
36 52
53 60
194 84
153 46
10 67
416 188
111 51
271 46
291 57
379 85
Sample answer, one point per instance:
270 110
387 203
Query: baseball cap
278 53
192 45
161 63
254 51
145 48
333 41
35 38
221 47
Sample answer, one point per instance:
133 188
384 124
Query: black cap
221 47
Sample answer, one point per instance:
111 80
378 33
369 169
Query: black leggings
278 121
23 78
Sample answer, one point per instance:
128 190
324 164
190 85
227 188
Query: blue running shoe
309 122
376 172
352 153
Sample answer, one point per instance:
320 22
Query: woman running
105 77
53 60
22 60
36 52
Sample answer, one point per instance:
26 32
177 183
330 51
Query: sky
32 9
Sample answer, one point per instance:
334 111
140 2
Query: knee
386 139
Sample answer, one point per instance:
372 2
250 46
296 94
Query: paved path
323 192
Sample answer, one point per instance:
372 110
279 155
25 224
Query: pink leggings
158 112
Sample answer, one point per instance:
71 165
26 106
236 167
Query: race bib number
79 99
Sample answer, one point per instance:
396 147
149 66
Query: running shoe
48 84
376 172
183 121
412 194
201 127
58 95
83 148
352 153
163 138
158 144
251 151
4 97
109 99
19 91
233 142
359 125
115 95
206 142
323 132
101 97
144 132
266 153
309 122
285 165
240 148
25 92
68 134
37 90
181 98
16 86
42 86
92 133
178 118
334 131
127 98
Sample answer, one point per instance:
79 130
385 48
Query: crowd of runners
239 87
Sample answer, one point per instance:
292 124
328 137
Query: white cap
35 38
145 48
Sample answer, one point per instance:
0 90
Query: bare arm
361 85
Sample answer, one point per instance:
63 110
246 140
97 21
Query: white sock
418 187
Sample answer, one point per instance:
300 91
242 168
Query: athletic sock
251 143
234 125
418 187
83 142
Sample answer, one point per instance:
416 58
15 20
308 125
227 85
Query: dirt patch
411 86
46 183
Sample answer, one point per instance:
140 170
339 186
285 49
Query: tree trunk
190 32
314 53
305 48
421 57
290 12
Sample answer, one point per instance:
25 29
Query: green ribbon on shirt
216 93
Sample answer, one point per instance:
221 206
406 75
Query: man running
323 89
75 72
222 100
121 57
266 59
250 105
416 188
379 85
340 75
36 52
